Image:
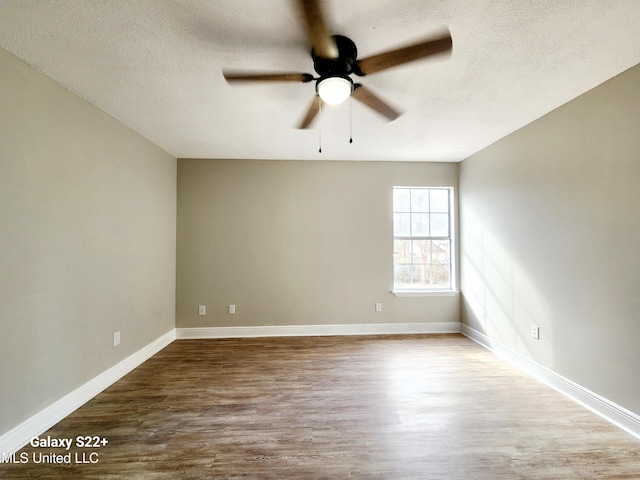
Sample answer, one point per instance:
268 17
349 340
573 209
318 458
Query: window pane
419 224
421 251
439 200
422 248
402 276
439 225
402 251
421 276
419 200
401 224
440 251
441 277
401 199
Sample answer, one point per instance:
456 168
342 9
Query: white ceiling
156 66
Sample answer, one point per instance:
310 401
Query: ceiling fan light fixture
334 90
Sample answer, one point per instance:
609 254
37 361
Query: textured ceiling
156 66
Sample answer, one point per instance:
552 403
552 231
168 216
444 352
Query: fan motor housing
341 66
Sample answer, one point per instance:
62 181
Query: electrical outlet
535 332
116 338
378 307
232 309
202 310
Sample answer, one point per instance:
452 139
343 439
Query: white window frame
402 292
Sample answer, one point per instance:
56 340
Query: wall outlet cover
535 332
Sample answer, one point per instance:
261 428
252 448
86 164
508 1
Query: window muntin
422 238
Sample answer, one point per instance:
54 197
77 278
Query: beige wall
550 230
295 242
87 241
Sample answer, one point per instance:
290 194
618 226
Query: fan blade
366 96
267 77
393 58
323 44
311 113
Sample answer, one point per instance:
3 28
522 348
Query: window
423 239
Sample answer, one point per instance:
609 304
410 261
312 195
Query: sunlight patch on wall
502 297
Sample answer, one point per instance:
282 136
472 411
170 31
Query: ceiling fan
335 60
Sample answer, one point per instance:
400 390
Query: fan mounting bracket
342 66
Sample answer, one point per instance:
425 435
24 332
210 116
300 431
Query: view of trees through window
422 238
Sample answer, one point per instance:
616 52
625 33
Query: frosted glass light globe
334 90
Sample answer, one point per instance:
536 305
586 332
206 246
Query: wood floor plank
378 407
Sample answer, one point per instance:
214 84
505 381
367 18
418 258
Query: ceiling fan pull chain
350 123
319 124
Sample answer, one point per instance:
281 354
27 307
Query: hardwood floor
384 407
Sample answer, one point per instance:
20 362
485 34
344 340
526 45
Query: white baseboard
613 413
18 437
318 330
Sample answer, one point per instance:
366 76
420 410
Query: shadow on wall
500 299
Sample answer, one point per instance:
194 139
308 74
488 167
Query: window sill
425 293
